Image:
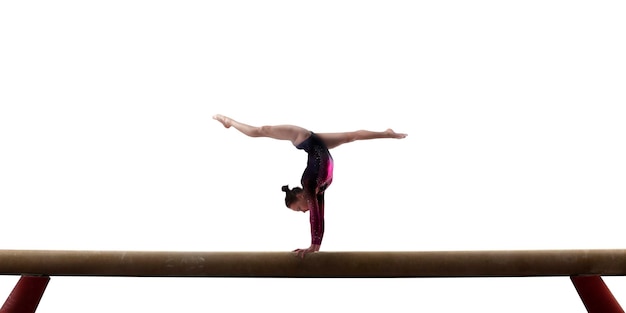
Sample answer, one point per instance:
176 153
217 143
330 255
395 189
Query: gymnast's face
300 205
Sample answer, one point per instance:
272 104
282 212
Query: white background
514 110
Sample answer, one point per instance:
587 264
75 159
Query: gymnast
319 170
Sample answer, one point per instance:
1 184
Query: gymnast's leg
295 134
333 140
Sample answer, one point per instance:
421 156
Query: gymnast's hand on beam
302 252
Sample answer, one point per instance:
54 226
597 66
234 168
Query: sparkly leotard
316 178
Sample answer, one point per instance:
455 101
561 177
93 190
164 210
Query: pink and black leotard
316 178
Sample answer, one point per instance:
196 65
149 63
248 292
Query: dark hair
291 195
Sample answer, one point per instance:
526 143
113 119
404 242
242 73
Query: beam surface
326 264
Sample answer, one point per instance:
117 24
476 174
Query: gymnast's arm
316 218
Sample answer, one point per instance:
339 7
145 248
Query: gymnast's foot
393 134
222 119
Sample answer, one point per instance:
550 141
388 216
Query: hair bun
285 188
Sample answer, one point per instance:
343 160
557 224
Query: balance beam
326 264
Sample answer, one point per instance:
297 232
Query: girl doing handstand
318 174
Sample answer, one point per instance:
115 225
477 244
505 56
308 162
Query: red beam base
26 295
595 295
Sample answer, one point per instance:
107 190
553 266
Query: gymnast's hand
302 252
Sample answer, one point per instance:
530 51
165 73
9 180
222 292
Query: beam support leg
595 295
26 295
